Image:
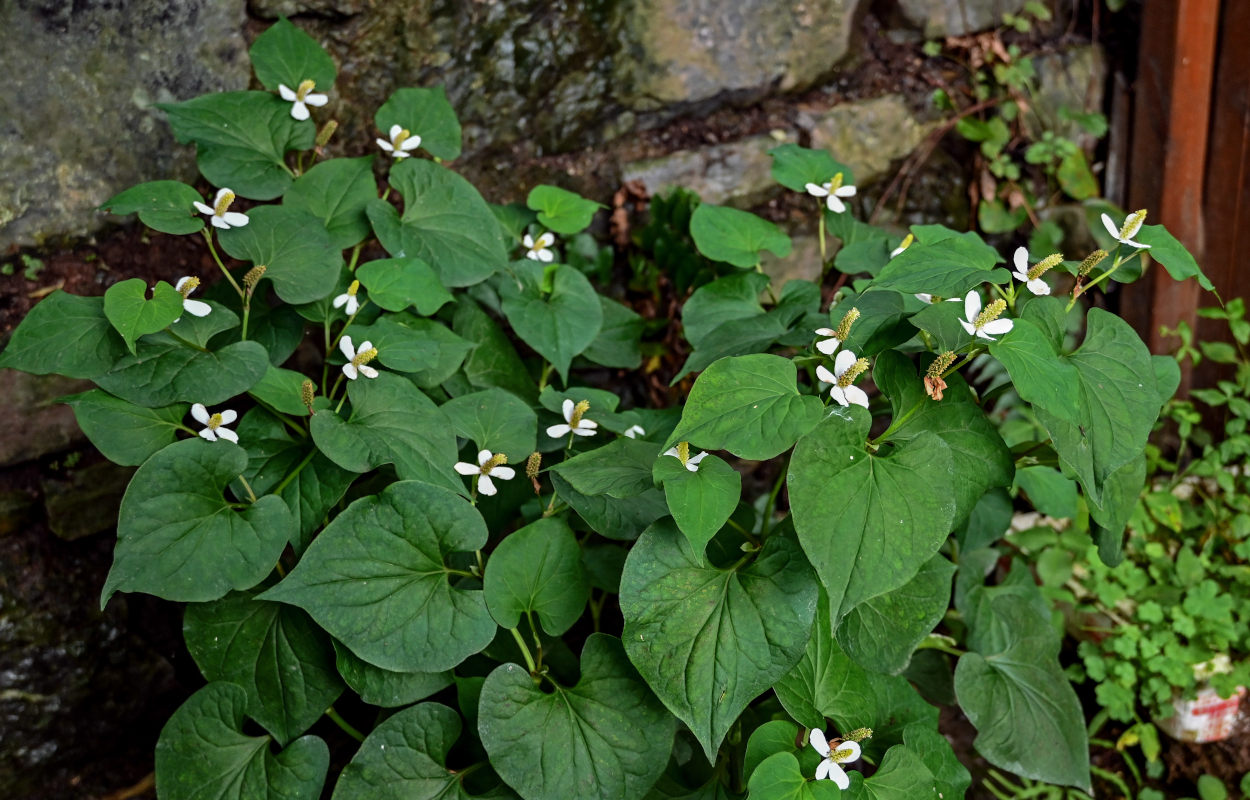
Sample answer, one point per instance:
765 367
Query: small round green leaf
397 283
377 579
738 237
165 206
538 570
778 778
425 113
203 753
180 539
299 257
605 738
560 210
285 55
132 314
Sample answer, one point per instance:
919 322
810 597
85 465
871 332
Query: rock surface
957 17
867 135
76 118
34 424
737 174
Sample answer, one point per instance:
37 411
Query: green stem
820 215
294 473
344 724
250 494
247 310
897 423
325 362
525 651
1119 262
940 646
546 373
208 237
770 507
351 266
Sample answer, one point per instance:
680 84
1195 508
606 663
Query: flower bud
253 277
327 131
1092 260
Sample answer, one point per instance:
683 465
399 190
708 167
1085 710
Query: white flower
348 300
214 424
832 193
488 466
577 424
827 346
401 142
830 767
539 249
691 463
634 431
1036 285
1125 234
358 358
303 97
846 367
185 286
927 298
219 214
982 323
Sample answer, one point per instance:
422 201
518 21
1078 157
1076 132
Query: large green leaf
881 634
377 579
794 167
618 341
405 758
200 331
730 299
67 335
495 362
281 390
300 259
1121 492
124 432
397 283
180 539
165 371
422 348
620 469
165 206
778 777
615 518
737 237
950 777
559 323
384 687
537 570
494 420
1175 258
709 641
274 652
132 314
869 521
700 501
285 55
901 776
948 268
1039 374
607 737
445 223
560 210
391 422
748 405
241 139
425 113
202 752
1118 403
336 192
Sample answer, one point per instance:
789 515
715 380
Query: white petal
503 473
845 191
1110 226
825 331
1021 259
532 255
587 423
299 111
843 362
951 300
350 371
485 485
854 755
817 740
856 396
527 241
816 191
411 143
1134 228
235 219
838 776
368 371
465 468
924 297
385 145
546 240
200 413
399 154
1020 275
558 431
218 222
181 282
822 769
347 348
567 407
1139 244
968 327
228 416
1038 286
827 346
981 334
545 256
395 130
483 456
287 92
340 301
825 375
634 431
208 434
972 305
317 100
692 463
203 209
353 305
672 451
839 395
585 430
197 308
228 435
998 326
835 205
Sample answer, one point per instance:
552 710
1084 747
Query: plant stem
208 237
344 724
546 373
770 507
247 310
294 473
820 216
351 266
525 651
251 495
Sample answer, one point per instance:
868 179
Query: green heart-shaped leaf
132 314
67 335
425 113
607 737
618 343
274 652
560 210
620 519
559 323
1175 258
422 348
397 283
125 433
699 501
203 753
538 570
880 634
281 390
165 206
384 687
620 469
336 192
180 539
724 300
737 237
1038 373
948 267
494 363
794 167
299 257
165 371
779 777
709 641
285 55
950 777
494 420
399 610
901 776
200 331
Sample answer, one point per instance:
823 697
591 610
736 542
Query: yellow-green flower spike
189 286
941 364
578 412
990 313
304 88
1092 260
327 131
1045 265
853 372
224 201
364 357
1133 224
844 327
683 452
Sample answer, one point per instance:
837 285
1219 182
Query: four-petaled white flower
846 367
219 213
1125 234
539 249
302 97
488 466
348 300
401 142
691 463
358 358
1036 285
831 766
833 194
982 324
214 424
634 431
185 286
576 423
830 344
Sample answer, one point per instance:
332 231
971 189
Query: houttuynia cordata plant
367 495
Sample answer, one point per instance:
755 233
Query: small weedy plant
368 497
